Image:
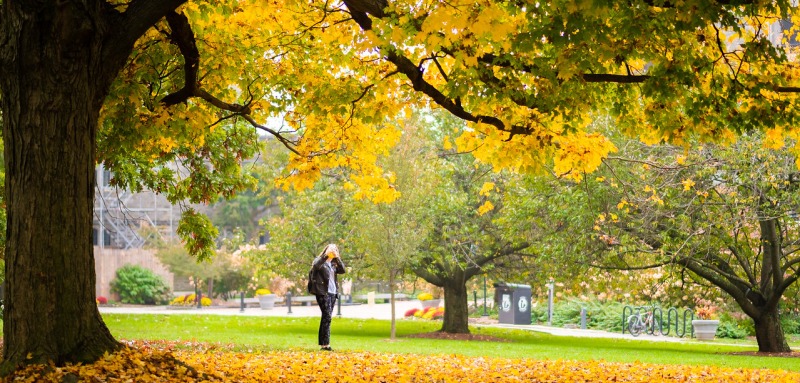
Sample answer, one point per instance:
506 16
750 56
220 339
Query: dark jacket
321 274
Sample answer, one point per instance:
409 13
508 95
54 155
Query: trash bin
513 303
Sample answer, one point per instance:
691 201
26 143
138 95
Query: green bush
137 285
790 323
599 315
477 312
730 329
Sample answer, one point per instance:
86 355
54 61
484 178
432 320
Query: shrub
731 330
101 300
477 312
790 323
411 312
138 285
179 300
599 315
190 300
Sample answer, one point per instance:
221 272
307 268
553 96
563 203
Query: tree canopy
325 78
169 94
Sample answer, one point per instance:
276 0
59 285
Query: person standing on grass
325 286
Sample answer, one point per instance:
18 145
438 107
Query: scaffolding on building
121 216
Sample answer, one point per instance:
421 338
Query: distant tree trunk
393 331
53 83
769 332
456 312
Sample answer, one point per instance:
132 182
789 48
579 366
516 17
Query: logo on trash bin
522 305
506 305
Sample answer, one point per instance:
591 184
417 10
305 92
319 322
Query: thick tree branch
372 7
744 263
289 144
615 78
790 264
724 270
428 276
415 75
182 36
139 16
642 267
738 295
359 9
506 251
770 268
505 62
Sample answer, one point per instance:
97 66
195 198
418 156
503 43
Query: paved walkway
367 311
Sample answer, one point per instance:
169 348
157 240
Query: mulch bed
793 354
447 336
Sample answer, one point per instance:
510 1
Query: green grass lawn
280 333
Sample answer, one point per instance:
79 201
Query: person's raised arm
340 269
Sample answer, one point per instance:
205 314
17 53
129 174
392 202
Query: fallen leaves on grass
154 362
131 364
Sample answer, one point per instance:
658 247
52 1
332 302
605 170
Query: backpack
312 288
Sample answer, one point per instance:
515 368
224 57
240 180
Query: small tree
389 235
179 262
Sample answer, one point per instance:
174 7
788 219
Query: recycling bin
513 303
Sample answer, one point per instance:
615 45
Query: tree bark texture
769 333
456 312
53 81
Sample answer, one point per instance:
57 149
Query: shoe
326 349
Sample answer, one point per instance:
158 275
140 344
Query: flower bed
189 300
426 313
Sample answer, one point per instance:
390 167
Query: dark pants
326 303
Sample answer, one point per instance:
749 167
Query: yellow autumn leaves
202 363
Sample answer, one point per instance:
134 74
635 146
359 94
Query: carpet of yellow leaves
161 362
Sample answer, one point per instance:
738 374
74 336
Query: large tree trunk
53 84
456 311
769 332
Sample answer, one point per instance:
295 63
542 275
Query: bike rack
658 318
687 311
671 311
625 316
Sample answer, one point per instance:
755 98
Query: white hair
332 248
